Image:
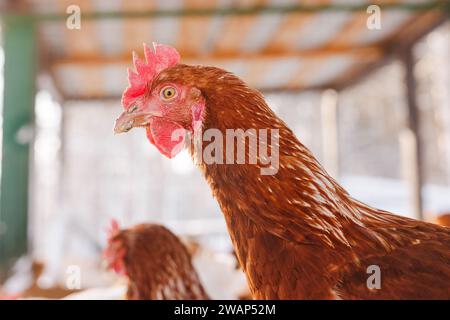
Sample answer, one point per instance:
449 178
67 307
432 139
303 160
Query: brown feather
298 234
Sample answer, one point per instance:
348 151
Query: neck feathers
315 206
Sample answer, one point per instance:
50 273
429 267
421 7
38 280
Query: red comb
113 228
156 60
114 253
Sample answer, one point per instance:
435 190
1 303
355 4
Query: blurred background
366 88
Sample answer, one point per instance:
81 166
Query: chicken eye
168 93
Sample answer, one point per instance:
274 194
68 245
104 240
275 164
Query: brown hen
155 262
297 233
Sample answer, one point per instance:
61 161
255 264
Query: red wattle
167 136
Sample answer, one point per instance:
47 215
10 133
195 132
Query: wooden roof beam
366 51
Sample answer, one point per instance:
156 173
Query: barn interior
365 86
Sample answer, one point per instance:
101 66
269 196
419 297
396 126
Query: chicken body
156 263
297 233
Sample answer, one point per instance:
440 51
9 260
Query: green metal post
19 46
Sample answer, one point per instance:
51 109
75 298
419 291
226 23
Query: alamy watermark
374 20
73 279
374 280
73 21
235 146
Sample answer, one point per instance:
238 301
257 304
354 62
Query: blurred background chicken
155 262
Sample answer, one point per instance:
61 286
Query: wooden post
330 132
412 136
18 111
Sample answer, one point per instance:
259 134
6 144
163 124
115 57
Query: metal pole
414 146
18 111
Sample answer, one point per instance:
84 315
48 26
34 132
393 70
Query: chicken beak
124 123
128 121
137 117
